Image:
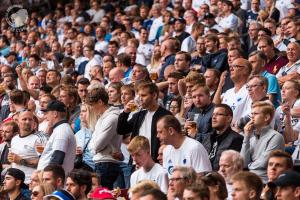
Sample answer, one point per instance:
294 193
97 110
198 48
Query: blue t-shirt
273 87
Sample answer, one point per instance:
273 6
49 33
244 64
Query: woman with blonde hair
155 63
84 157
41 190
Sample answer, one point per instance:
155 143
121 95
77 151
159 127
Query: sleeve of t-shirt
273 85
60 142
279 73
163 182
133 179
200 160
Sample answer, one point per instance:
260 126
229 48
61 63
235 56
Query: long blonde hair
92 117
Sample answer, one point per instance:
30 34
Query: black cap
288 178
12 53
56 106
18 175
209 16
180 19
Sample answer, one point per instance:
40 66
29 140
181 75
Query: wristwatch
23 162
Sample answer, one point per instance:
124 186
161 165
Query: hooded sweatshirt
105 140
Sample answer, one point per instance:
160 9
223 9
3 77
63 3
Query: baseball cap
288 178
208 16
60 195
102 193
56 106
180 19
12 53
18 175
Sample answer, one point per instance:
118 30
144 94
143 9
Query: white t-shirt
146 51
157 174
61 139
25 148
288 70
97 60
230 22
282 6
238 101
101 46
158 22
145 129
190 154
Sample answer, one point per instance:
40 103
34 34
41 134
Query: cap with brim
18 175
208 16
181 20
288 178
102 193
11 54
60 194
56 106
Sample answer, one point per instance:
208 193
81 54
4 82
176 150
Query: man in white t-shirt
22 153
237 97
61 146
139 149
180 150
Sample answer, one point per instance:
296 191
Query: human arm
246 148
217 98
125 126
29 162
290 135
104 132
291 76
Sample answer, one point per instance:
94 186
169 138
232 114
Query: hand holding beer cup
10 156
131 106
79 151
191 124
39 148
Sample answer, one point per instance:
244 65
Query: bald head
116 75
240 70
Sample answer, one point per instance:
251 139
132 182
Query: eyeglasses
176 179
173 107
248 87
35 193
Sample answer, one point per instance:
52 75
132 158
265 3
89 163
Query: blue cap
61 195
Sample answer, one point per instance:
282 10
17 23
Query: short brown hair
17 97
251 180
13 124
152 87
204 87
171 121
97 94
282 154
195 77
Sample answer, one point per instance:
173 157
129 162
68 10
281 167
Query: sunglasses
35 193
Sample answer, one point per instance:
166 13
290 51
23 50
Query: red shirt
275 64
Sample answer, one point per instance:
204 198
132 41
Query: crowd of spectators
151 100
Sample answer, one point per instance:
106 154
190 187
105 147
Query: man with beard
79 183
22 154
223 137
144 122
9 130
14 183
179 27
